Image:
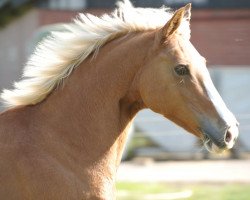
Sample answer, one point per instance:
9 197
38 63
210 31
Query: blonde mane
56 56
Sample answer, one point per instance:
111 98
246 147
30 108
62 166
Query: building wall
51 16
14 40
222 36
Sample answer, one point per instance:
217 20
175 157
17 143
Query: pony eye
181 70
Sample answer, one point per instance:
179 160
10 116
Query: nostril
228 137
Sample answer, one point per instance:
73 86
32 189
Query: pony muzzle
218 141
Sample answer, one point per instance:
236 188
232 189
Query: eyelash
182 70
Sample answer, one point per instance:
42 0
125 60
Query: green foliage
9 13
138 141
139 191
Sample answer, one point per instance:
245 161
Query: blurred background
160 158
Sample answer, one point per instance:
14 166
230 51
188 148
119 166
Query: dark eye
181 70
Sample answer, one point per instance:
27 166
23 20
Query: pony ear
187 14
172 25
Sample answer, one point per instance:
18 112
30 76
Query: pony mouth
211 146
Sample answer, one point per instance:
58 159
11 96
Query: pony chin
216 149
212 148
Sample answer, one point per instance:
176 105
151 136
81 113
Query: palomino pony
64 132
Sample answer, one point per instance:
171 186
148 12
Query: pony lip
210 146
211 143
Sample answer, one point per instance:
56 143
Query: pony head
176 83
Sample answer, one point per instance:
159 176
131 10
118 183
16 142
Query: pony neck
91 113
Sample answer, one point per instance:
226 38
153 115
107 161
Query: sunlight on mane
56 56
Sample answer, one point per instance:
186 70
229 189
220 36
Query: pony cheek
150 92
154 89
157 99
